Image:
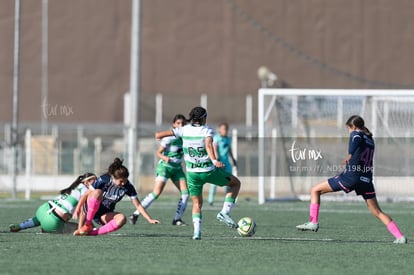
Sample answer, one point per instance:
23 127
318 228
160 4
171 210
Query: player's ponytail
367 131
197 115
359 123
77 181
118 170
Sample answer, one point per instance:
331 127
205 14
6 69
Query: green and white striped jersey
194 146
173 149
66 203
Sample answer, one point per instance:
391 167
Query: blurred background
74 74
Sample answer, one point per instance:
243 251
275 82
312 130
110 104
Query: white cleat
225 218
197 236
401 240
308 226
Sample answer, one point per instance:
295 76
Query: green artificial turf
350 241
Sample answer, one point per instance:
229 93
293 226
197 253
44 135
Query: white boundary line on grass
256 238
250 238
285 239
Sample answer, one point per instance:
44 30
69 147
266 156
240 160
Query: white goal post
285 115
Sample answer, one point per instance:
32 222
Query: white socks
182 205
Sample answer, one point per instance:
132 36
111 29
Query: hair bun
118 162
117 170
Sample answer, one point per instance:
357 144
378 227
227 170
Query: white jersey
67 203
194 147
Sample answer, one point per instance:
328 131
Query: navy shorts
362 186
101 211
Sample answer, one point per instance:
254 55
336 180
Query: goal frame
264 109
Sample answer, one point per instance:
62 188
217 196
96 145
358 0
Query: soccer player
170 153
357 177
203 166
222 149
52 215
99 205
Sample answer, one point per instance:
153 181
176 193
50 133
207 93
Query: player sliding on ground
202 166
52 216
357 176
170 153
99 205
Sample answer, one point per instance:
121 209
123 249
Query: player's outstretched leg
224 214
392 227
316 192
29 223
313 224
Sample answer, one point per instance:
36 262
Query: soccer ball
247 227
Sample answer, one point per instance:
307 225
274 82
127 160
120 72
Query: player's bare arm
163 134
82 200
143 212
160 154
211 154
216 150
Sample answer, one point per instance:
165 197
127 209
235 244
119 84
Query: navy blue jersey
360 166
113 193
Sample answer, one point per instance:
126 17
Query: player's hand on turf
153 221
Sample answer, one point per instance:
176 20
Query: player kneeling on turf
99 205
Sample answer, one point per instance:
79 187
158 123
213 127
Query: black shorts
362 186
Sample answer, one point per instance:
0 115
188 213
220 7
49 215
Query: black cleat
133 218
179 222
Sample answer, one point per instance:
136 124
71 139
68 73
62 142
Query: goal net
303 139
